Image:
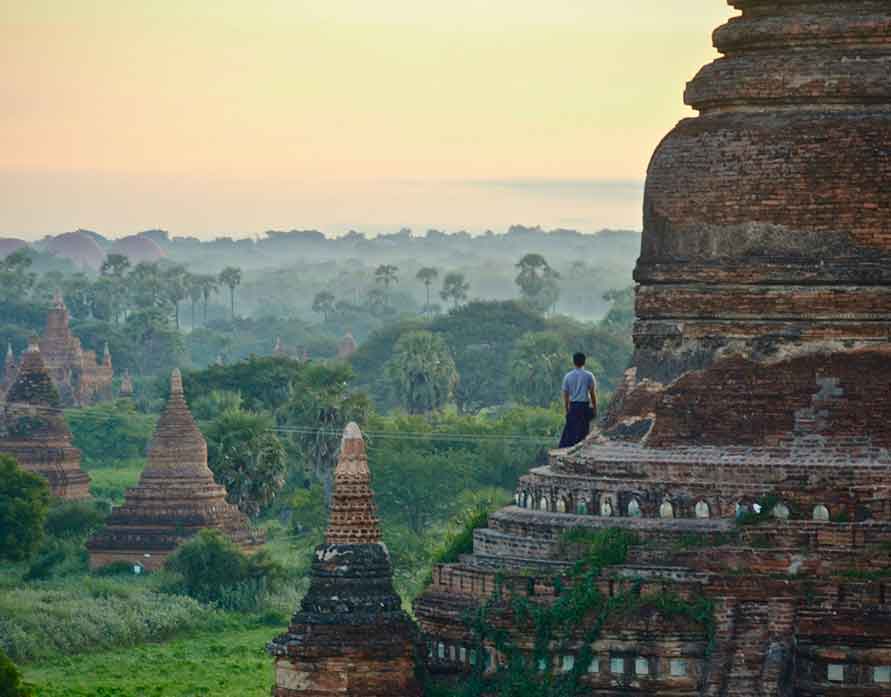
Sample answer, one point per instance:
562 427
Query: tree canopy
24 502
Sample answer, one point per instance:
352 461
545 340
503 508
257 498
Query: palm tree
208 284
231 277
427 275
176 281
195 292
387 274
454 288
323 303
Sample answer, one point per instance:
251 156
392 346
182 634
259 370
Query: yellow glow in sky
236 116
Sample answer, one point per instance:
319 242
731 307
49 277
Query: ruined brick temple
350 635
79 377
748 453
175 498
34 432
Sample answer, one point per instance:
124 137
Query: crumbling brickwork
175 498
350 635
80 378
34 432
747 450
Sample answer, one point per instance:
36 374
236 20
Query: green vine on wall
578 613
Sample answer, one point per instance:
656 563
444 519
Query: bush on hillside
213 569
24 501
73 520
11 684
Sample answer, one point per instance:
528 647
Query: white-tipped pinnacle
352 431
176 382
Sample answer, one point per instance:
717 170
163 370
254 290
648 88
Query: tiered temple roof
79 376
350 635
34 431
748 449
175 498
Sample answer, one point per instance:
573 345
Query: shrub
11 684
73 520
24 500
308 510
116 568
461 541
57 558
63 618
213 570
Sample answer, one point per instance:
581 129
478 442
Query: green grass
231 664
111 482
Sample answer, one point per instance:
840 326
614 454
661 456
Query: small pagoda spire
58 301
33 344
127 384
106 355
10 356
353 519
176 383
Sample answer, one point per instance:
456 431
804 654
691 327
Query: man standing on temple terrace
580 401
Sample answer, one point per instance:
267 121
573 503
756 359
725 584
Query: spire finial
33 344
58 301
176 383
353 518
9 354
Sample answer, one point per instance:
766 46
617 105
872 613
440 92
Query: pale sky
211 117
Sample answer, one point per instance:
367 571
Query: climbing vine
577 615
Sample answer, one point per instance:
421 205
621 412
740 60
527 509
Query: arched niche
781 511
666 510
821 513
702 510
634 509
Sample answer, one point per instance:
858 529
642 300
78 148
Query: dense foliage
11 683
421 372
247 458
213 570
24 501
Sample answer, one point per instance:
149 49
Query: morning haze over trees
447 349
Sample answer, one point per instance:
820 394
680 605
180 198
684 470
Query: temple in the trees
728 532
175 498
34 432
79 377
350 635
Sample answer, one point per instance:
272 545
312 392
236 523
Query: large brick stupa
175 498
749 450
350 636
34 432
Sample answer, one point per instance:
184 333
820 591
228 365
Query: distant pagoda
175 498
80 378
347 346
126 390
350 635
34 431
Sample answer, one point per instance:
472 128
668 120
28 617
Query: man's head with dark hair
578 359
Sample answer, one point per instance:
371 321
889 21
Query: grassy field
111 482
231 664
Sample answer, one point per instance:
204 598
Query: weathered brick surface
79 376
33 429
761 377
175 498
350 635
